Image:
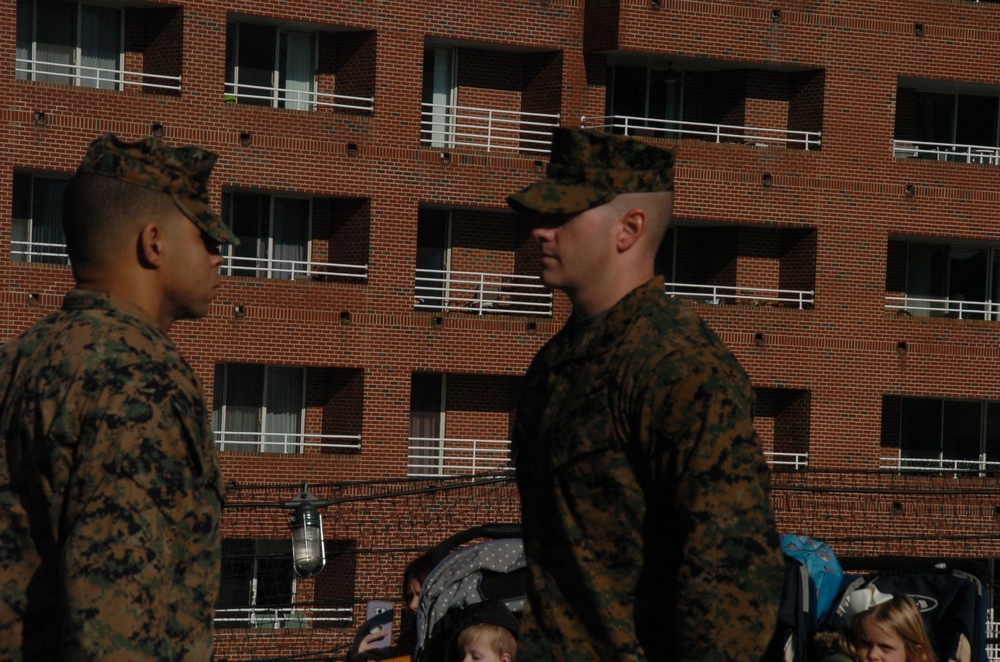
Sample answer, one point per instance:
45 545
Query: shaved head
102 217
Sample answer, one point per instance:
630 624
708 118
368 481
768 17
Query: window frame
267 265
941 454
256 607
75 70
279 96
220 413
28 227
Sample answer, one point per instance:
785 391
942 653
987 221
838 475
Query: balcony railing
431 456
939 464
257 267
939 307
296 99
282 442
36 251
89 76
755 296
792 461
283 617
486 128
481 293
946 152
754 135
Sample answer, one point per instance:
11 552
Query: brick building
837 223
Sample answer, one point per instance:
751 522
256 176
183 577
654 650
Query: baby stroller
481 582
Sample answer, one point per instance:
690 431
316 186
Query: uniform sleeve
140 538
712 530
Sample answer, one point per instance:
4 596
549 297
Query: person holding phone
373 640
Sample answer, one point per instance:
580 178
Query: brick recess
827 222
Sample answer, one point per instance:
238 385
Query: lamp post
306 524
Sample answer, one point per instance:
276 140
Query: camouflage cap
590 168
180 172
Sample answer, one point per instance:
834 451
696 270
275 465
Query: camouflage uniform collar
605 334
83 299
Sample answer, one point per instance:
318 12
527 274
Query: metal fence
283 617
716 294
257 267
944 307
919 149
90 76
448 126
481 293
295 99
432 456
660 128
283 442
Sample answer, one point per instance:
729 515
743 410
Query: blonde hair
901 616
499 638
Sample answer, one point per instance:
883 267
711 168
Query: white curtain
290 237
25 37
46 220
283 404
100 47
297 72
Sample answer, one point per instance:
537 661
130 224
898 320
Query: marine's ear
632 225
150 244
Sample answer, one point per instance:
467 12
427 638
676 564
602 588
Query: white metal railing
943 307
431 456
481 293
78 74
262 267
284 617
295 99
30 251
992 635
946 152
715 294
283 442
491 129
939 464
795 461
754 135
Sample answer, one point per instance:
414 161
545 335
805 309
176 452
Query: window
37 233
439 96
963 119
258 408
270 66
257 587
433 241
427 422
274 234
950 280
69 43
951 434
654 93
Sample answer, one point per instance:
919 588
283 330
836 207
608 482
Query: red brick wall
832 212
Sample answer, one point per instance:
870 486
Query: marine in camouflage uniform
110 491
647 524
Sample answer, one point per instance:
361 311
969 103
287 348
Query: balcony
725 263
283 617
490 97
711 100
938 307
981 154
35 251
787 461
481 293
89 76
719 133
280 442
754 296
486 128
291 269
938 465
295 99
430 456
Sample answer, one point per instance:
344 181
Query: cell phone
378 615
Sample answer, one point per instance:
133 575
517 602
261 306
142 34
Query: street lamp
306 524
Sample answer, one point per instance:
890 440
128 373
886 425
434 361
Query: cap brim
217 230
552 197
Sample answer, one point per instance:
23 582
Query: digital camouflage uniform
110 491
647 524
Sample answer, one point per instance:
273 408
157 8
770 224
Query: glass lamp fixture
306 524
